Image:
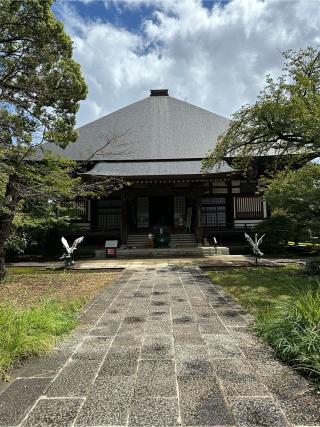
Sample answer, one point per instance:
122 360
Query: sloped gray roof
153 168
155 128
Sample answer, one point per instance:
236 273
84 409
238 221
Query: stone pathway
207 261
160 347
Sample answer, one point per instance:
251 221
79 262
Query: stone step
177 240
174 236
219 250
196 251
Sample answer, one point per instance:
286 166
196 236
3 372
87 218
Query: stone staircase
195 251
178 240
181 245
183 240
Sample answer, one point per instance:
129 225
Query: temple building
156 145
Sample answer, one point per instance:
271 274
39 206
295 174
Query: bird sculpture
255 245
68 256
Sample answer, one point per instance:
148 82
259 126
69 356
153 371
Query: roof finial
159 92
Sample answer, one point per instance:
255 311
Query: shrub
313 266
278 230
293 330
15 245
51 239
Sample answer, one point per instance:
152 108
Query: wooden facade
201 206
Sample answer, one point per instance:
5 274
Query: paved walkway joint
161 346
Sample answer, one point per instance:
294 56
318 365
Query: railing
248 207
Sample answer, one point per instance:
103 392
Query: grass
27 286
304 244
38 307
293 330
32 331
286 306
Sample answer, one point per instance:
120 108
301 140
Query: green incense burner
162 240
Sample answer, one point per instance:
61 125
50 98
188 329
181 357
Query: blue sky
120 15
213 54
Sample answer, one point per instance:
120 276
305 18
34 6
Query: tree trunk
11 202
2 263
4 231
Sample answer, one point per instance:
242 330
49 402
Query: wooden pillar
124 219
198 230
89 216
264 207
229 205
93 215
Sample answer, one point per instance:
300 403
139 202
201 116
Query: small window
109 214
213 212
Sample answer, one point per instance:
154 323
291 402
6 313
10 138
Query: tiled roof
155 128
153 168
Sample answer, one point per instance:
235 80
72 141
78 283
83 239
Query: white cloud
216 59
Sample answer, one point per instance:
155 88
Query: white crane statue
68 256
255 245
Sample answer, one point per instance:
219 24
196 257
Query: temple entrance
151 212
161 211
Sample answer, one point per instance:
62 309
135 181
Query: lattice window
208 201
109 214
213 212
142 212
179 210
77 209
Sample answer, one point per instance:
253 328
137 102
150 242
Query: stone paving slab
154 412
258 411
19 397
108 402
202 402
49 412
160 346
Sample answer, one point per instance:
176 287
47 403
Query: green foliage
42 189
257 288
292 328
278 231
286 305
313 266
15 244
283 127
31 331
296 193
45 232
50 238
41 87
284 120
